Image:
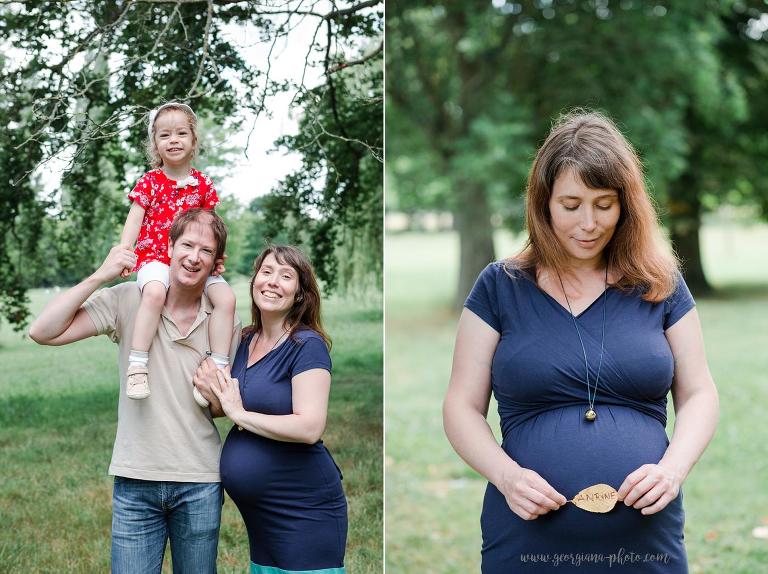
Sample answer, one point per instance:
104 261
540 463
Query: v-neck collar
556 303
260 359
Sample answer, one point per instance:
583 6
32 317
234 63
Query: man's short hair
203 217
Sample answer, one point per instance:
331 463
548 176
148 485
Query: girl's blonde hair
151 149
592 146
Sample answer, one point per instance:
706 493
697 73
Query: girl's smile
174 139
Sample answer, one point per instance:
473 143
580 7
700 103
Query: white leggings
157 271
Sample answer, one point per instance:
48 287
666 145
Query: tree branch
338 13
359 61
332 15
206 45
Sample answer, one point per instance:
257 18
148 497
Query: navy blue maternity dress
537 377
289 494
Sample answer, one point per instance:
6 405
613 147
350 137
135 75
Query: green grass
58 414
434 499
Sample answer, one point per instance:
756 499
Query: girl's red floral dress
163 200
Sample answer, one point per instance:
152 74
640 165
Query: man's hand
204 379
64 320
120 257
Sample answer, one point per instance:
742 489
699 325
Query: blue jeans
146 513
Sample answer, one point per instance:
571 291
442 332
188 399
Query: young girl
172 187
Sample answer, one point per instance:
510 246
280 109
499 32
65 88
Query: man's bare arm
64 320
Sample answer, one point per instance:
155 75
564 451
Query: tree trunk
472 220
685 227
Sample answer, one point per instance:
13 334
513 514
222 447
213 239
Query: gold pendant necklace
590 414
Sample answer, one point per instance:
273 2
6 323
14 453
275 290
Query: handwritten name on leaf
597 498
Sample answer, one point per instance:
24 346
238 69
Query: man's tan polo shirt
166 436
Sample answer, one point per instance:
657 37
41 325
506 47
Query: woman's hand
650 488
204 381
227 390
528 494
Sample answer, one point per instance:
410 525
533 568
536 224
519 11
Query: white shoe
200 399
137 382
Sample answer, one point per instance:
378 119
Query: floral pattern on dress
162 202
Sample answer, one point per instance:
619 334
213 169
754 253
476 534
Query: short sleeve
677 304
142 191
104 309
312 354
483 300
211 198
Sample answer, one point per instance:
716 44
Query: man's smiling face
193 255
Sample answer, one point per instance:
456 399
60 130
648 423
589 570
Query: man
166 453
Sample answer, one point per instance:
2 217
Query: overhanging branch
379 49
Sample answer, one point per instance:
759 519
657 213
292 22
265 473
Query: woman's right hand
528 494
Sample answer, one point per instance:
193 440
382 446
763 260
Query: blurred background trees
79 78
474 86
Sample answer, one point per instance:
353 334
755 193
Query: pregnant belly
572 454
256 470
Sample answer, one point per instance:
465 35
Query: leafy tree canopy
78 80
480 83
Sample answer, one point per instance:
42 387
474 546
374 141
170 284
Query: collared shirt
166 436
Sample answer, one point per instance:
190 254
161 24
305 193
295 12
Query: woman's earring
299 298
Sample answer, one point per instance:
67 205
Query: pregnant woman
273 464
580 337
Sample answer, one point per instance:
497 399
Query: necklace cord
591 390
250 353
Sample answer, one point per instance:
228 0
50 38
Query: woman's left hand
650 488
227 390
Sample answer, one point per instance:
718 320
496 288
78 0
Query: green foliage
81 79
478 87
340 140
78 80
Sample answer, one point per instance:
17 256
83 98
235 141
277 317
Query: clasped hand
210 380
227 390
528 494
120 258
650 488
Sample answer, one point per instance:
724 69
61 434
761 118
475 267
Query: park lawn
58 411
433 499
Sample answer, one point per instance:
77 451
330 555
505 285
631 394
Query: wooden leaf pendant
597 498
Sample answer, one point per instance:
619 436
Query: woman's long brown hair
592 146
306 306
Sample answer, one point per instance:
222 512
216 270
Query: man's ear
170 249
